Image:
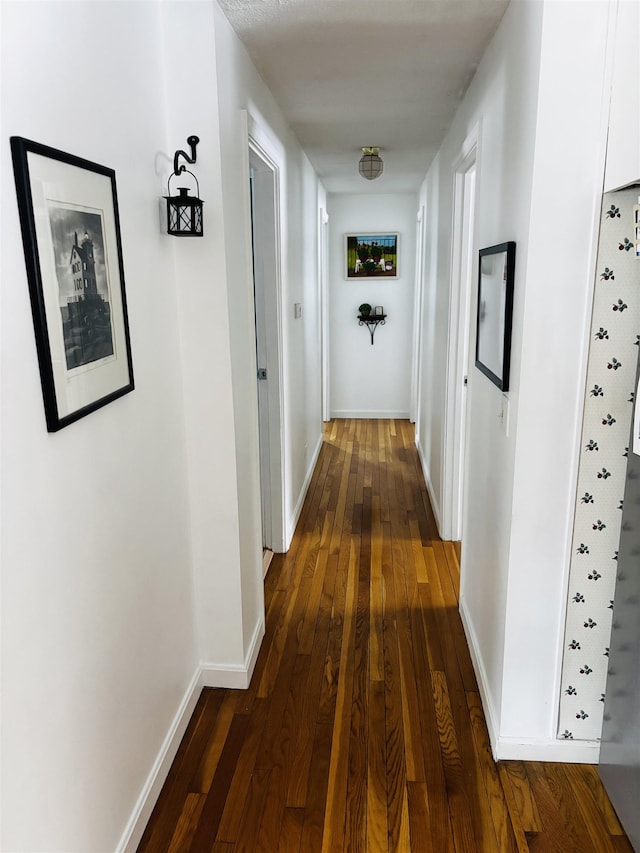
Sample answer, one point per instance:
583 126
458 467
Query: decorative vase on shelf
365 309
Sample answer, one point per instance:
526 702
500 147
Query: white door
463 269
323 265
414 413
266 281
262 378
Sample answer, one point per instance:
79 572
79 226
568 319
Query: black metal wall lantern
184 212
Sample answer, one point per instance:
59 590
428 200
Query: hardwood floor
362 729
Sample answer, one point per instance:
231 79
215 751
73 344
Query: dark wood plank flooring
362 729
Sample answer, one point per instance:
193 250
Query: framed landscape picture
71 237
371 255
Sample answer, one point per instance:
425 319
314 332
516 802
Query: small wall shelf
372 321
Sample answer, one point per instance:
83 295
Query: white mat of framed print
71 236
371 255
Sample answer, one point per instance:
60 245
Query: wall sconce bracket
372 321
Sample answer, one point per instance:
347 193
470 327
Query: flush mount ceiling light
370 165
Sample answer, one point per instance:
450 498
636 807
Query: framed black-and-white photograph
71 236
495 309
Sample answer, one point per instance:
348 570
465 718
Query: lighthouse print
83 285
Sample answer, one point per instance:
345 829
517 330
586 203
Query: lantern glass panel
184 215
173 217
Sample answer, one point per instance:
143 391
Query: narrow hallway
363 727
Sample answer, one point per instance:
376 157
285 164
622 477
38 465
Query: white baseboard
376 414
519 748
425 473
234 676
135 828
564 751
206 675
491 718
293 521
267 557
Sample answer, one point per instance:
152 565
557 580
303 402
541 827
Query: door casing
264 182
463 270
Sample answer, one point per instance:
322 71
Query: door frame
463 269
323 271
265 159
418 296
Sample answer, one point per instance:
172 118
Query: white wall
371 381
539 177
301 195
216 517
501 104
568 176
131 558
98 641
623 144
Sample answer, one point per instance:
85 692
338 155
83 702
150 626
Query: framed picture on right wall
496 267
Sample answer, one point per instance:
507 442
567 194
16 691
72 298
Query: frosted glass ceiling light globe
370 165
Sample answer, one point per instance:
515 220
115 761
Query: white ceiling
354 73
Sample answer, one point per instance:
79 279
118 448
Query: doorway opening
323 266
416 373
462 272
265 239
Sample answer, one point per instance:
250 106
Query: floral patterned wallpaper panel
611 371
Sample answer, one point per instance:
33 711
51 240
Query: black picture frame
371 255
70 226
496 270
